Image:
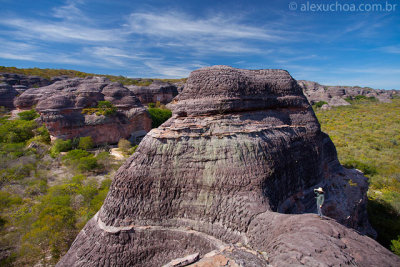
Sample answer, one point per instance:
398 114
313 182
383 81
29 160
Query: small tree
28 115
395 247
60 146
124 145
85 143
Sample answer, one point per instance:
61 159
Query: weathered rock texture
158 91
335 95
61 103
12 84
7 95
242 146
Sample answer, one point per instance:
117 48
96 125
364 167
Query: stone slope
242 147
335 95
61 104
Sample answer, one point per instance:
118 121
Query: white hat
320 189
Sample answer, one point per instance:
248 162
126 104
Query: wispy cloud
393 49
58 31
70 11
180 25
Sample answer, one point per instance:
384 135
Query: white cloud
219 34
59 31
179 25
394 49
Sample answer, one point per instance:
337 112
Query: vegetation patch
319 104
50 73
105 108
367 137
158 113
39 221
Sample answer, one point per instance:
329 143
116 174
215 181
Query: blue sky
160 38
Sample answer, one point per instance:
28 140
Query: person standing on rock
319 192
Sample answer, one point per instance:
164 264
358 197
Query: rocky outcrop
336 95
28 81
61 106
243 147
12 84
7 95
157 91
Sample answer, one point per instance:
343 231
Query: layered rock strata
157 91
61 106
336 95
242 148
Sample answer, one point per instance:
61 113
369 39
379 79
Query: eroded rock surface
157 91
242 148
61 104
12 84
335 95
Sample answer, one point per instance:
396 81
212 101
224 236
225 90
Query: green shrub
16 173
361 99
81 160
85 143
43 134
104 159
75 155
105 108
319 104
8 199
151 105
16 131
12 150
28 115
395 246
124 145
159 116
60 146
87 164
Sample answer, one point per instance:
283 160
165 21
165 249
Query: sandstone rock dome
243 147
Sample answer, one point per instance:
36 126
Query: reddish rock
61 104
242 148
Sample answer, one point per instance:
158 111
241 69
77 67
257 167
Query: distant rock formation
7 95
157 91
61 107
11 85
335 95
242 148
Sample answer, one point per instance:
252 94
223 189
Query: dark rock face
242 148
7 95
60 106
335 95
156 92
25 80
